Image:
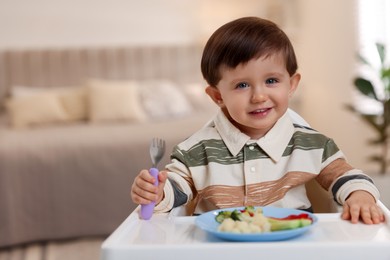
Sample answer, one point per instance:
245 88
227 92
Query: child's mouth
262 111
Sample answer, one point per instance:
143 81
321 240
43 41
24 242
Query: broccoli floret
250 209
236 215
222 215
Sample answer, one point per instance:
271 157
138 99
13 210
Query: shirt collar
273 143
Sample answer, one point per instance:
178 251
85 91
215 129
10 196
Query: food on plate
252 220
290 222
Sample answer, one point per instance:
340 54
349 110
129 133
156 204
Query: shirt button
253 169
251 147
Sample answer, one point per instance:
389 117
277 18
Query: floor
78 249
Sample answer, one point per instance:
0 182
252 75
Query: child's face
256 94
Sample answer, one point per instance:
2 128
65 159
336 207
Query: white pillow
73 99
199 99
35 110
163 99
114 100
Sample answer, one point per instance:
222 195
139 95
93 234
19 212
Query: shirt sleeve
351 181
340 178
179 187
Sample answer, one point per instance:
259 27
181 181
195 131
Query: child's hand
143 191
361 205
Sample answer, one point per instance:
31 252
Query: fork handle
147 209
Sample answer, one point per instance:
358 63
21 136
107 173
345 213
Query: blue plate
208 223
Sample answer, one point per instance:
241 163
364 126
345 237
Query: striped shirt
220 167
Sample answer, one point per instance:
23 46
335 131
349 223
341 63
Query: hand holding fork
157 150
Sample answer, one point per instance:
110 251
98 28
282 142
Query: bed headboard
64 67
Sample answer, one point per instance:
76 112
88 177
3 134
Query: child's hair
241 40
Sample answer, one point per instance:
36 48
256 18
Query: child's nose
259 96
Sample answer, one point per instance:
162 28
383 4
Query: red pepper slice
293 216
251 214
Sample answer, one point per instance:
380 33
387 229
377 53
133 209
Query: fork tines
158 142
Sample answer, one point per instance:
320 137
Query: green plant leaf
385 73
363 60
381 51
365 87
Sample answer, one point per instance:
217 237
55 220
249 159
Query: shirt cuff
354 185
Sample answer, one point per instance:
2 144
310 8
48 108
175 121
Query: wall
41 23
327 49
88 22
323 32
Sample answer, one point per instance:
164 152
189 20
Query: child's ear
215 95
294 81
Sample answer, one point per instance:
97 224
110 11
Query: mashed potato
255 222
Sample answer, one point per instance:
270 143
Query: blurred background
326 36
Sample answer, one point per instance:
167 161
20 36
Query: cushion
164 99
38 109
196 94
73 99
75 103
114 101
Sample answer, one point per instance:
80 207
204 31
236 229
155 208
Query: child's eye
271 81
242 85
